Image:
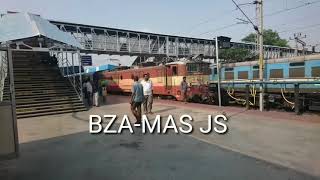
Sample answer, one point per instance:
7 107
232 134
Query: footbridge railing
96 39
105 40
3 73
69 64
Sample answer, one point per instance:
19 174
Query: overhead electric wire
234 24
299 28
243 4
218 29
274 26
224 14
293 8
249 20
217 18
290 9
254 26
292 29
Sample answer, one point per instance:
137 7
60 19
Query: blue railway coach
280 75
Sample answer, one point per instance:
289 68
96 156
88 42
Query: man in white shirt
147 92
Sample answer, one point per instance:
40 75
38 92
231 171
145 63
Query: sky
201 18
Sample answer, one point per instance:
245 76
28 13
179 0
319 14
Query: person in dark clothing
184 89
87 87
136 99
53 61
84 90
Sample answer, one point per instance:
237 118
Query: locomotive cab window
192 68
198 67
174 70
204 68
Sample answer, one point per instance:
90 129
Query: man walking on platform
136 99
148 94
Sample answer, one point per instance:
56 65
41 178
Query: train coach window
228 75
243 75
256 67
276 73
296 72
228 69
255 74
297 64
315 71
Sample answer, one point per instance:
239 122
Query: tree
270 37
235 54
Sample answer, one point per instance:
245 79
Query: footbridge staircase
40 88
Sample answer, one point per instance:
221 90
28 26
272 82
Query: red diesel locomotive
166 79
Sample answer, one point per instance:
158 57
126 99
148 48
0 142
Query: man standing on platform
136 99
148 94
96 88
184 89
89 89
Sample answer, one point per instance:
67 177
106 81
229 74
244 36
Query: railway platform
258 145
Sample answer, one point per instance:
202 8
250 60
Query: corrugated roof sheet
25 25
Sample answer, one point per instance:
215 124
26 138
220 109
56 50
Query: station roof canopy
16 26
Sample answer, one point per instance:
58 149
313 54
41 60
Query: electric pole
259 29
218 70
297 37
261 51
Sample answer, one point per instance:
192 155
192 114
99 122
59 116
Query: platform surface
267 145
